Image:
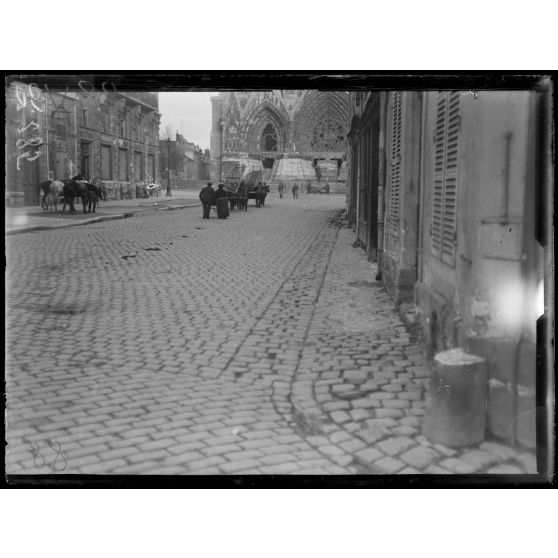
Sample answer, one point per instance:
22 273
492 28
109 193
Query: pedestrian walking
308 187
206 197
295 190
259 194
281 189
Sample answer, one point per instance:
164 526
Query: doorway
84 163
30 182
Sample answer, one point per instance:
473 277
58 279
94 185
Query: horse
92 200
45 187
54 190
96 190
243 199
74 188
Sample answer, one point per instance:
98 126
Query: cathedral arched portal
268 140
266 133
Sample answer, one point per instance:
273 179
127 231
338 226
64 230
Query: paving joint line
273 299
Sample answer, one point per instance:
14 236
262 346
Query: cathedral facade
288 135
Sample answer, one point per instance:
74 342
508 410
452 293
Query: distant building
110 138
189 165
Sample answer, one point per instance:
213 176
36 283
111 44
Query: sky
187 113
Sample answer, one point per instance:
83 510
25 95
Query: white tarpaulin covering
293 168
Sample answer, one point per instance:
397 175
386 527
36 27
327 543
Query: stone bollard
456 411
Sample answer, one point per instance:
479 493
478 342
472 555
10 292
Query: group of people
281 188
295 189
209 197
147 188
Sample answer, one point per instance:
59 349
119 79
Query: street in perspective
323 289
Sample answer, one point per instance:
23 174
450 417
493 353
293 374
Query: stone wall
73 126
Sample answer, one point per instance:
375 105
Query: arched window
268 140
105 120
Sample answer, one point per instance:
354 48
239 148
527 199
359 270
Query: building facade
189 164
111 138
288 135
443 192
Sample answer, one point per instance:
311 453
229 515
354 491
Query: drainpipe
421 188
46 139
357 182
504 215
381 180
76 140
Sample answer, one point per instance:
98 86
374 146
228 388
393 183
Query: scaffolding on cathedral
293 167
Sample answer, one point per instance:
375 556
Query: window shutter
395 183
446 158
449 228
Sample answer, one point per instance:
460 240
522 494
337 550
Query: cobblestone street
260 344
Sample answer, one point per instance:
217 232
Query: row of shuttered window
446 159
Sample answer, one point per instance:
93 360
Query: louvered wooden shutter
449 228
395 185
446 159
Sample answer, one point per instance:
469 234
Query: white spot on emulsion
540 298
20 220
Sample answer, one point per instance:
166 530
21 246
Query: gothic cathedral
287 135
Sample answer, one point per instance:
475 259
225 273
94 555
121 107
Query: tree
166 132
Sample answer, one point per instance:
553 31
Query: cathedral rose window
328 135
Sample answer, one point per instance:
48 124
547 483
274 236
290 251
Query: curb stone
36 228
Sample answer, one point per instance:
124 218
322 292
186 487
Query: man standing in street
259 194
206 197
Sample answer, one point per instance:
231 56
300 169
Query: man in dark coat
206 197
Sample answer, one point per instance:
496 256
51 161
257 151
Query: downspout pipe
46 138
421 187
381 180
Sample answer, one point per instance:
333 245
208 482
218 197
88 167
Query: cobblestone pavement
166 344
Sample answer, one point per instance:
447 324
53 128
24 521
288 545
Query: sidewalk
362 382
34 218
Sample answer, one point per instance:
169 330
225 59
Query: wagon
251 182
